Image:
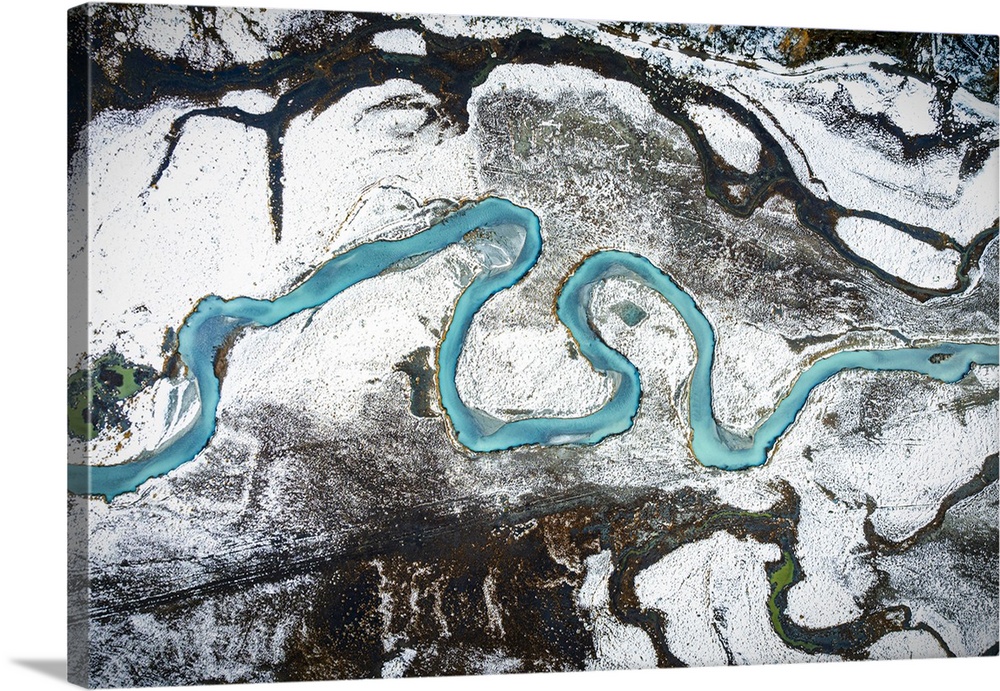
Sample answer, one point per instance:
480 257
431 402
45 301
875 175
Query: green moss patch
96 395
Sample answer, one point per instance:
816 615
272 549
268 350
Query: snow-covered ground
316 439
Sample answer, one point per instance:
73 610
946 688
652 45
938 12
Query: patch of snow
251 100
616 645
403 41
906 645
713 593
898 253
731 140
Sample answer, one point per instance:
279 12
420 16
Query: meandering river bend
512 233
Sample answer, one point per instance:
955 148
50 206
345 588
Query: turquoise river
510 240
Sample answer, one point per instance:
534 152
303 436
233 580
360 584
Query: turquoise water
509 241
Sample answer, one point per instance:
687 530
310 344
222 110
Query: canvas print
421 345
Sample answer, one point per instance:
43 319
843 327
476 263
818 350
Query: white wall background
32 338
